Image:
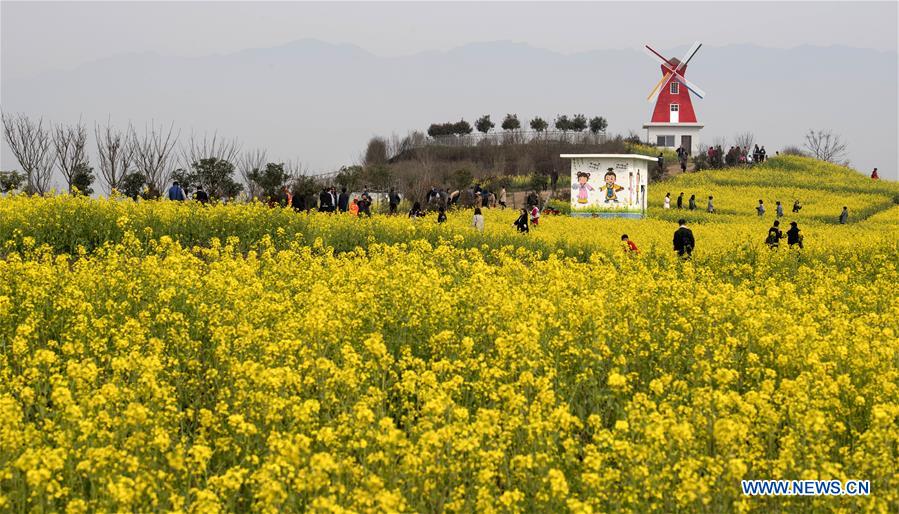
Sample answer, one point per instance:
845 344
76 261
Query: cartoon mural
609 185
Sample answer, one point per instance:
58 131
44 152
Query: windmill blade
689 85
657 56
655 91
689 55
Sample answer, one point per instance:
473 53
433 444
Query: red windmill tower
673 122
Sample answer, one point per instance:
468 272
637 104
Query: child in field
761 208
441 215
354 207
710 208
629 246
774 235
477 221
535 215
667 200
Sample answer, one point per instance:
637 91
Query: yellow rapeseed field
165 357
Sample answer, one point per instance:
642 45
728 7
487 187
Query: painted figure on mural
583 187
610 187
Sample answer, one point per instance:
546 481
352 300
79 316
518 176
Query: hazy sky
38 36
43 37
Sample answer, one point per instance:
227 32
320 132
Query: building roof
607 156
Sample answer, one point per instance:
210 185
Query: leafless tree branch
116 154
32 145
216 147
153 154
825 145
69 144
249 161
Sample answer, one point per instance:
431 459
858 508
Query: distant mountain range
320 102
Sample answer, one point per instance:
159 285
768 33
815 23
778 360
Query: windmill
673 123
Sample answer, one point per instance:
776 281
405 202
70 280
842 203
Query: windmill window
675 88
665 141
675 107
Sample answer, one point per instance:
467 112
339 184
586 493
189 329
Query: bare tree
116 154
153 154
209 147
745 140
249 161
69 144
825 145
32 145
720 141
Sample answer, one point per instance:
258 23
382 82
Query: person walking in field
874 175
441 215
760 209
535 215
779 210
844 216
774 235
680 200
793 235
796 206
692 204
629 246
683 239
522 222
710 208
667 201
477 221
176 193
502 198
393 201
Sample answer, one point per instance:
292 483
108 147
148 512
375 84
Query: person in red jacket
629 246
874 175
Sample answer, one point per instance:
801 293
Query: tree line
139 163
510 123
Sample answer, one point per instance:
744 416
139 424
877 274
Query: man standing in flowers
683 239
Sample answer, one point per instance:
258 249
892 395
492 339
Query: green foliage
579 123
132 185
10 180
598 124
349 177
270 180
82 178
563 123
462 178
539 181
462 127
484 125
539 124
510 122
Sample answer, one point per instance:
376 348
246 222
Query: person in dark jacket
324 201
844 216
692 202
415 211
522 222
683 239
796 206
201 195
774 235
298 202
343 200
441 215
793 235
680 200
393 200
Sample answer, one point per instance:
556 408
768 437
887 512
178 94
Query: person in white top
667 200
478 220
